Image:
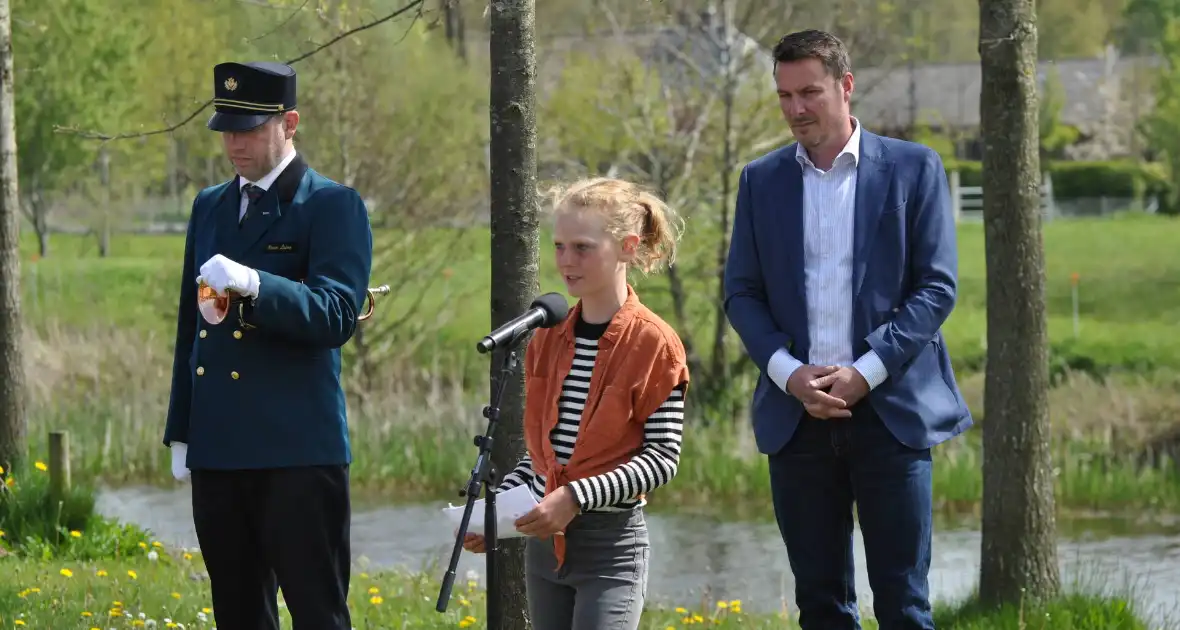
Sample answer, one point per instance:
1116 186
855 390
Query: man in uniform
257 412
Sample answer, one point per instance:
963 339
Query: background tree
1019 556
12 365
513 60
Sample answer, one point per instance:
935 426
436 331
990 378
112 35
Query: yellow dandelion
100 573
10 482
176 596
157 545
1 470
681 611
67 573
171 624
117 604
75 534
365 575
467 621
19 622
116 612
722 604
87 614
376 600
1 533
34 590
373 590
463 602
41 466
187 556
138 623
142 545
207 611
133 575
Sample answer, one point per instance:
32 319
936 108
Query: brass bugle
215 308
372 299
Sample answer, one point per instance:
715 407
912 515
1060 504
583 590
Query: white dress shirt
829 215
264 183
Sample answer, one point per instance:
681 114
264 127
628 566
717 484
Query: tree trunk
12 365
514 246
1019 525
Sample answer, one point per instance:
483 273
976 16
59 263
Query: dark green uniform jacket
268 394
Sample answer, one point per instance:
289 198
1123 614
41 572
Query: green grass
1129 290
114 593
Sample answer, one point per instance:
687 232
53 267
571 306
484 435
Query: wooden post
59 464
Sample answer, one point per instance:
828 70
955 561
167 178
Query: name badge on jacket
280 248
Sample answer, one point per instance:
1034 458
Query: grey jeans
601 585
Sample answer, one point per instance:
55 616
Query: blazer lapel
872 186
270 207
790 219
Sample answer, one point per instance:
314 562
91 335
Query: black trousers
262 530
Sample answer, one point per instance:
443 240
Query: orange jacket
640 361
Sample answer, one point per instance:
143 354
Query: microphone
546 311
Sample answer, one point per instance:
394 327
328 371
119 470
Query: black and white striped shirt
618 489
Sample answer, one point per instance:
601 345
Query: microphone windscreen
555 307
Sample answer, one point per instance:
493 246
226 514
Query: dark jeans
262 530
826 466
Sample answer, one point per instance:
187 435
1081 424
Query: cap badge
231 84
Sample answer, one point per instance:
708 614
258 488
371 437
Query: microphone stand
484 474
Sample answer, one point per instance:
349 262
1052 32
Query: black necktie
253 193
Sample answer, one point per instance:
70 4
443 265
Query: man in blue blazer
257 415
841 272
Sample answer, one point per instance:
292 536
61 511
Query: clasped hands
550 517
828 391
223 274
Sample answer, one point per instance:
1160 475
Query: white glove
179 453
221 274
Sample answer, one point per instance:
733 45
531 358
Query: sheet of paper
510 505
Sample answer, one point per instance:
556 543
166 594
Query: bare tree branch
281 24
96 135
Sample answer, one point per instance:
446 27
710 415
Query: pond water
699 559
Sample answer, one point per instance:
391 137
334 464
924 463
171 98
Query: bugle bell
215 308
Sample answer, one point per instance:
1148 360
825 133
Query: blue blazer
268 394
905 264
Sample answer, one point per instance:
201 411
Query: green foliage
1054 134
36 526
1081 179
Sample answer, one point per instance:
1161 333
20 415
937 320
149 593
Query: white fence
967 201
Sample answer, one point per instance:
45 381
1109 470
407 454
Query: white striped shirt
618 489
829 216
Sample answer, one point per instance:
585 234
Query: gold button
237 334
233 375
200 371
204 333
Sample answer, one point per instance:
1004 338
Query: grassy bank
1128 291
117 593
413 442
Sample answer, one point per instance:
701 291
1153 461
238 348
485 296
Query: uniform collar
267 181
